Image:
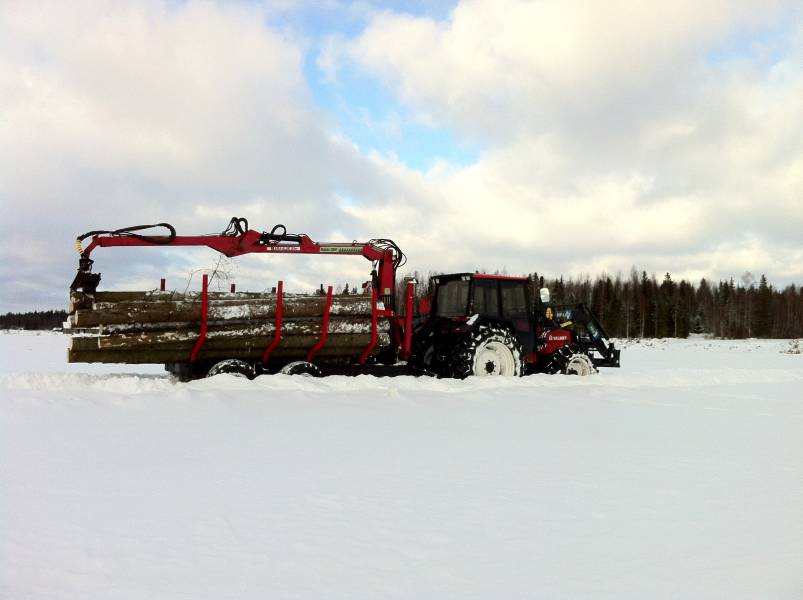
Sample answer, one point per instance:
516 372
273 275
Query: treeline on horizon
640 306
38 319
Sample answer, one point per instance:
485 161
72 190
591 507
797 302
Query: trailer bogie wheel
232 366
579 364
487 351
301 367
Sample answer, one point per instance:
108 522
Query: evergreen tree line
636 306
641 306
44 319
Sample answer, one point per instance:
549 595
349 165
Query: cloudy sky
560 136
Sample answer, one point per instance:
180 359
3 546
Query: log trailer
476 324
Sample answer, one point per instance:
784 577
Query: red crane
238 239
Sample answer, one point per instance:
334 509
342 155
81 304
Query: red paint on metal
277 337
554 339
252 242
324 327
204 314
374 334
235 245
409 308
232 288
162 283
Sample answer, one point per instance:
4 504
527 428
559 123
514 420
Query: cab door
515 304
485 298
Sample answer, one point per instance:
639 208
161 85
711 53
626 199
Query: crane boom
237 240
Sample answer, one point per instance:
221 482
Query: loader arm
237 240
596 340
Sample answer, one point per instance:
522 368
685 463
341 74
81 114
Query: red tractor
484 325
478 324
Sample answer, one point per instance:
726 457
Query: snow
678 476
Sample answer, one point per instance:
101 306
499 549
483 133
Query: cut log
84 300
83 343
310 328
151 355
354 341
160 327
120 313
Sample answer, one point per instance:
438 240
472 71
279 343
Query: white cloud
610 138
114 114
503 68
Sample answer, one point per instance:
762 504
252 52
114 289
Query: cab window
486 298
514 301
452 298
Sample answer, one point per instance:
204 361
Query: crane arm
238 239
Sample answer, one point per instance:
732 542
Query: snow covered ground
678 476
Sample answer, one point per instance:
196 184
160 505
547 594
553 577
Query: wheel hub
494 358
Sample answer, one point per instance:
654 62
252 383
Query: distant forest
638 306
641 306
45 319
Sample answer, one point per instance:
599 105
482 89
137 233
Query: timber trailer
473 324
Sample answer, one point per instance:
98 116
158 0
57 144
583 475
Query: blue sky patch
370 116
365 111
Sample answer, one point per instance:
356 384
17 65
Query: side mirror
545 295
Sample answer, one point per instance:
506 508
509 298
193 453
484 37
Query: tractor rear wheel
487 351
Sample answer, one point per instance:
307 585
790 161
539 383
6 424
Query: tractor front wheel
579 364
485 352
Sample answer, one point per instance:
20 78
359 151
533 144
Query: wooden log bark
158 327
84 299
153 355
304 342
290 341
84 342
122 313
154 295
310 328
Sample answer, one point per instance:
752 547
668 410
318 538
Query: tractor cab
500 299
467 309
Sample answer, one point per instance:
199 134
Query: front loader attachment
590 334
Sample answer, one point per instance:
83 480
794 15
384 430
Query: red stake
277 337
374 336
324 327
162 284
204 312
409 308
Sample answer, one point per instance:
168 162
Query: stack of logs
162 327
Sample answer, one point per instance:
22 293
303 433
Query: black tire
488 350
301 367
579 364
232 366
